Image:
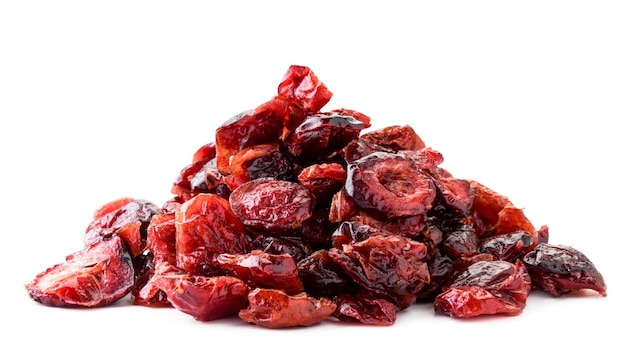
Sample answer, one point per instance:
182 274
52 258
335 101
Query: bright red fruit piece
98 275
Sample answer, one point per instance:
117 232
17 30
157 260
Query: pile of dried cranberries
293 215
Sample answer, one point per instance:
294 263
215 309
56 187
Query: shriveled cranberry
513 219
206 227
388 266
323 180
395 138
486 207
268 204
263 270
291 245
508 246
205 153
342 207
162 238
98 275
204 298
276 309
302 88
365 310
262 125
259 161
111 217
561 269
322 276
356 114
321 135
460 241
486 287
455 196
390 184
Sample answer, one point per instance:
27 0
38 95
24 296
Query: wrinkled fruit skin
276 309
559 269
96 276
486 287
292 215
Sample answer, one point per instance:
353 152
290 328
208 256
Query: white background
100 100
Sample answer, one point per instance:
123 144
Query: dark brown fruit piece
560 269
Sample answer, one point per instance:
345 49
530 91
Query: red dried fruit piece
276 309
486 206
113 216
509 246
204 298
395 138
342 207
199 177
486 287
323 277
263 125
356 114
404 226
204 153
454 196
272 205
365 310
162 238
424 158
302 88
323 180
206 227
293 246
263 270
259 161
513 219
322 134
460 241
390 184
561 269
390 267
98 275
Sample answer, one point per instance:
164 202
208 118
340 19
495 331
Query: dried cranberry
486 287
390 184
276 309
263 270
395 138
274 205
561 269
98 275
204 298
365 310
302 88
206 227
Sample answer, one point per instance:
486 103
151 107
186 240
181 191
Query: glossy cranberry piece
365 310
486 287
263 270
508 246
322 276
276 309
561 269
204 298
120 213
321 135
274 205
302 88
262 125
388 266
98 275
206 227
390 184
323 180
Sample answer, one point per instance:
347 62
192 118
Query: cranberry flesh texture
486 287
263 270
390 184
509 246
206 227
272 205
204 298
276 309
560 269
322 276
98 275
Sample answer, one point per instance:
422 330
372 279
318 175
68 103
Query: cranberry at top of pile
293 215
